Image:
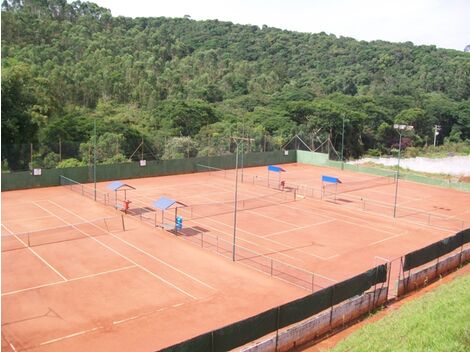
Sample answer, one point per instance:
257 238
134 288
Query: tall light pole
94 158
238 141
342 147
399 128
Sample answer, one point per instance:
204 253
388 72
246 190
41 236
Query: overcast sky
444 23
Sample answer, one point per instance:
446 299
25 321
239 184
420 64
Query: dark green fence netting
244 331
436 250
358 284
198 343
305 307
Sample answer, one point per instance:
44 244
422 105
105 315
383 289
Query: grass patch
438 321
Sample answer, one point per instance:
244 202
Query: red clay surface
145 288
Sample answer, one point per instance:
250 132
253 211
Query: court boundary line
264 237
36 254
247 232
9 293
121 255
29 219
161 261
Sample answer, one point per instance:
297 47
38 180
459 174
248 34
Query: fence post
461 252
399 277
389 274
331 304
277 327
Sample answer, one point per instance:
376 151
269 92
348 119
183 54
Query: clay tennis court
77 276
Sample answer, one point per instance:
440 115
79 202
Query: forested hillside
183 87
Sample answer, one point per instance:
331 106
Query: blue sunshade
275 168
163 203
330 179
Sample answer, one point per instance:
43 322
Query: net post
176 217
202 239
82 190
106 225
123 224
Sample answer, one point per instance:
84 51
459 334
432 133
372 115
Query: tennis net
92 228
197 211
256 180
351 186
301 190
84 190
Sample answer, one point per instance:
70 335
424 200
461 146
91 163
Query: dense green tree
66 65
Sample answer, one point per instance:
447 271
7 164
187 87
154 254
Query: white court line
299 228
121 255
388 238
327 213
274 219
29 219
69 336
62 282
267 239
382 258
116 322
147 254
37 255
11 345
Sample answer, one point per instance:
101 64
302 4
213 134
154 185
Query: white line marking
69 336
382 258
116 252
37 255
125 320
299 228
151 256
29 219
12 347
388 238
74 279
254 212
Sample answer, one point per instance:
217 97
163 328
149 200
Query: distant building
467 49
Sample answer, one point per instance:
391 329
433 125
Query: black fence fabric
244 331
305 307
436 250
198 343
358 284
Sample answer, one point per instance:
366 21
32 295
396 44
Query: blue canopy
118 185
163 203
330 179
275 168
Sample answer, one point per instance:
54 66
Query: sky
443 23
